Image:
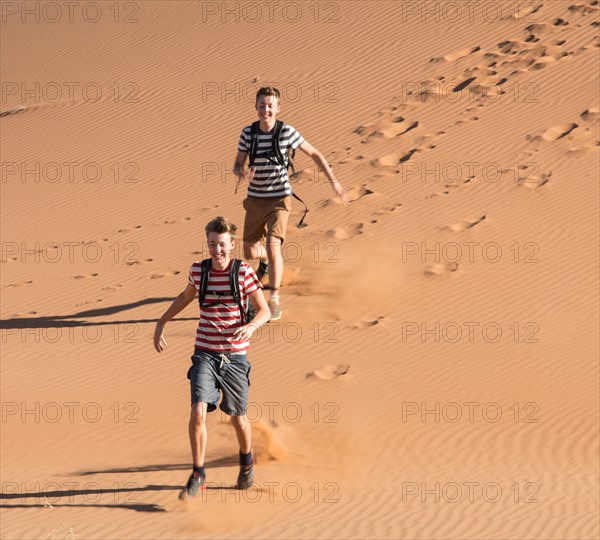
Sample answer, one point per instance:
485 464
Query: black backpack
234 285
275 155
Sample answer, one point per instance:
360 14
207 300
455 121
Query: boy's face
220 245
267 108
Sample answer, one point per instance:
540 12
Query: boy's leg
204 398
243 432
198 434
275 258
275 275
254 229
254 250
197 431
277 221
235 382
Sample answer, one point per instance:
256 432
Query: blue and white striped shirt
270 179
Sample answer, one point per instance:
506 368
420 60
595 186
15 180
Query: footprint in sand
554 133
591 115
441 269
112 288
529 9
129 230
343 233
528 175
534 30
408 155
480 72
393 208
144 261
328 372
558 132
20 284
389 160
452 57
534 180
87 302
367 323
397 128
160 275
84 276
511 46
171 221
356 193
467 223
449 187
582 9
13 111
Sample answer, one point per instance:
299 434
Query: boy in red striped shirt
219 363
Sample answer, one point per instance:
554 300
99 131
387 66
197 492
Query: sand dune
435 372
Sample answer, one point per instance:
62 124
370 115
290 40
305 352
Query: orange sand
434 375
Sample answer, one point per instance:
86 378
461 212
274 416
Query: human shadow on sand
62 321
228 461
46 498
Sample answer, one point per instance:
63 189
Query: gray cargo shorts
212 373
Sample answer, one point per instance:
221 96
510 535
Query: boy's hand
341 192
244 333
243 175
159 341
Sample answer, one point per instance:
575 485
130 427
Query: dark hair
267 91
220 225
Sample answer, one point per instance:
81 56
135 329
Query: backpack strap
234 285
274 155
301 222
253 142
205 269
278 155
288 162
276 146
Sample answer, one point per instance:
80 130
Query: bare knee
251 251
273 246
238 421
198 415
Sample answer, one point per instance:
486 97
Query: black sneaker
246 477
195 483
262 270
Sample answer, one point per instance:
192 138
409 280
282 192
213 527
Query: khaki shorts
266 217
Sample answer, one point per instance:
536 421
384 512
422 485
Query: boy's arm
188 294
320 160
263 314
238 168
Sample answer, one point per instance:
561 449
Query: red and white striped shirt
219 320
